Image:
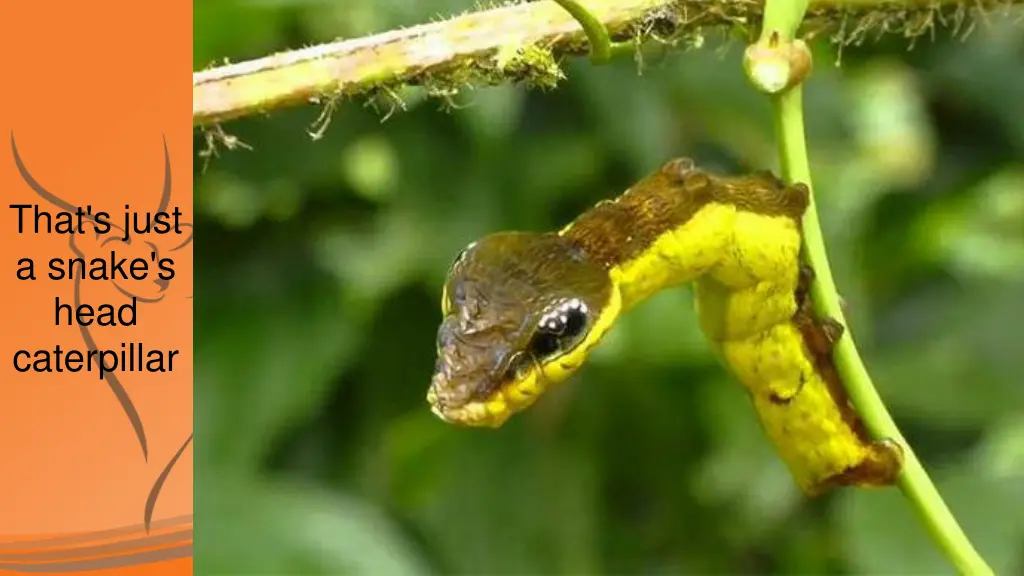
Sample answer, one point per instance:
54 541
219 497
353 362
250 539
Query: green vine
602 49
782 18
777 64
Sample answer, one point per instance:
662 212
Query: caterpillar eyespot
560 328
532 306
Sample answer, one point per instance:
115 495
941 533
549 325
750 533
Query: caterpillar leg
803 284
821 335
803 289
881 466
880 461
832 331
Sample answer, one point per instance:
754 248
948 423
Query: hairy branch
522 43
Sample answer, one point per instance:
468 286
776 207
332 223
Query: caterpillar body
522 311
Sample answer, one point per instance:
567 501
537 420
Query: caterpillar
523 310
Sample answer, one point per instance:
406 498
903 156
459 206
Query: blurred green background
319 267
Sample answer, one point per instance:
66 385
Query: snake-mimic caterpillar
523 310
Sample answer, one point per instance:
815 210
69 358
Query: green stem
601 46
783 18
597 34
914 481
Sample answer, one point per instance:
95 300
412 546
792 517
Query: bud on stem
775 65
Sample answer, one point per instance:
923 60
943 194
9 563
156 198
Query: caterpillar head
521 312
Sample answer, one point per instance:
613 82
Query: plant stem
462 51
783 17
597 33
914 481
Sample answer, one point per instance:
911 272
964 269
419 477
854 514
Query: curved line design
154 492
187 241
165 196
115 383
145 557
119 533
33 184
106 549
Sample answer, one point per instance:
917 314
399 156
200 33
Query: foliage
319 284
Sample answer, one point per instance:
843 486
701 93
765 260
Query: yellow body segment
747 307
738 239
678 256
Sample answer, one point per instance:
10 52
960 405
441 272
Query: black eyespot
560 329
544 343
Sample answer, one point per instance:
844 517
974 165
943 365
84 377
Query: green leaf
248 526
270 337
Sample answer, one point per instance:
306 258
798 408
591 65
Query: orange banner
96 287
